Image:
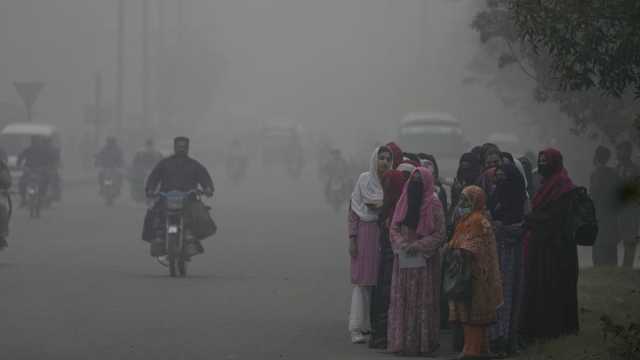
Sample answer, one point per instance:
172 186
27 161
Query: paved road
273 284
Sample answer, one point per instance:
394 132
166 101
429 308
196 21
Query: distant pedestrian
603 190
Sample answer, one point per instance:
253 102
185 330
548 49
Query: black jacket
180 173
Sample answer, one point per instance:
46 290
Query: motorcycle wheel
173 255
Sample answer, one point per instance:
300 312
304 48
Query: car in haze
439 134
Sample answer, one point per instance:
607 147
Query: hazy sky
341 66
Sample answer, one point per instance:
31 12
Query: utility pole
146 67
120 69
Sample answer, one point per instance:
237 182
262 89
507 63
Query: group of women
505 223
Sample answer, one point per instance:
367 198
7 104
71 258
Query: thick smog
337 179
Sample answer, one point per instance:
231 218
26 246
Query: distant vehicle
439 134
281 142
16 137
507 142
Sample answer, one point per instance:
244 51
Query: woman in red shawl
418 230
551 298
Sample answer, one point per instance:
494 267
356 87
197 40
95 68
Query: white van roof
426 117
29 129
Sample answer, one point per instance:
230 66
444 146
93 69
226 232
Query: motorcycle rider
178 172
35 158
143 162
110 158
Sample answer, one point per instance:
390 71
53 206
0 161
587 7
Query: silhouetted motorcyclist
110 158
36 158
178 172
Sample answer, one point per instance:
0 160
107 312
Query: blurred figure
337 185
364 233
110 159
417 231
143 162
603 190
629 174
36 160
474 242
550 306
56 166
237 161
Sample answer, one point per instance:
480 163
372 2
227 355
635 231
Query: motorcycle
110 187
176 238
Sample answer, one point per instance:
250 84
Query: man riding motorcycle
142 164
178 172
110 158
38 158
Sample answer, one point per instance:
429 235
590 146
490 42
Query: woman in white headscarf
364 233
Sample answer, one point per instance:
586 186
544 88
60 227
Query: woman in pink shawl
417 232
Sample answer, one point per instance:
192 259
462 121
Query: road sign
28 91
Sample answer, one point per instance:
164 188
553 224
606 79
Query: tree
582 55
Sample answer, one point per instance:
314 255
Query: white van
16 137
439 134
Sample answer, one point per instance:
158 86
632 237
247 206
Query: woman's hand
353 247
411 249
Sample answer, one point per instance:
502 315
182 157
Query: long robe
550 306
414 314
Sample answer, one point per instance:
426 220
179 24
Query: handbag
456 279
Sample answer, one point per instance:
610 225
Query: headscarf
470 175
428 204
368 189
396 153
555 185
474 233
507 202
392 183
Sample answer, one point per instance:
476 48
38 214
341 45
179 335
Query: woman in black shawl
507 210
